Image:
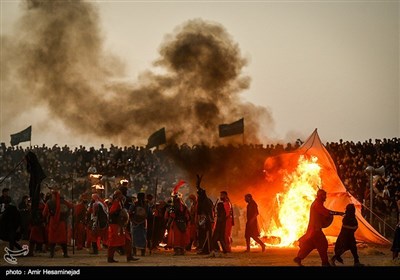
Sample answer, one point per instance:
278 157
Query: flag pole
73 214
154 217
243 133
12 171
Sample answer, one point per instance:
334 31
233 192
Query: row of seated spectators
162 167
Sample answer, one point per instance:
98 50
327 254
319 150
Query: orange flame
294 204
96 176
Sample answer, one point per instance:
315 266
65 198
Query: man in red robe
314 238
37 233
117 233
97 227
57 211
178 217
193 222
229 220
80 221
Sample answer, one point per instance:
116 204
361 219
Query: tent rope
379 218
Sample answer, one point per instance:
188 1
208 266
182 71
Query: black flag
234 128
37 176
22 136
157 138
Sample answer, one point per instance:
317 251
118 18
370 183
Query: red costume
57 210
80 224
314 238
193 222
229 220
178 234
96 231
37 233
116 233
118 236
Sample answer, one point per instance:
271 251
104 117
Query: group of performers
205 225
130 226
126 226
314 238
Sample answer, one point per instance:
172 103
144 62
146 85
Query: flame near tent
295 177
294 204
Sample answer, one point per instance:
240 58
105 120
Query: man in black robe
252 230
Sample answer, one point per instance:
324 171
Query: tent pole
371 190
73 214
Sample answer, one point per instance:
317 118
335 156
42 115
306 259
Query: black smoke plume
57 60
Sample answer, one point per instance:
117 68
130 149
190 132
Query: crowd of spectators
145 169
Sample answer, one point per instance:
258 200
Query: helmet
117 194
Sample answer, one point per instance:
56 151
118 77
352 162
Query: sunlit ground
369 255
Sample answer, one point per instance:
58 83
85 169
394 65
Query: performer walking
229 219
80 221
252 230
314 238
219 230
116 228
205 217
138 215
98 221
178 218
193 231
57 210
346 240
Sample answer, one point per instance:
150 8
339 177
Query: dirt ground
272 257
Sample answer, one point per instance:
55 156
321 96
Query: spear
73 214
154 216
12 171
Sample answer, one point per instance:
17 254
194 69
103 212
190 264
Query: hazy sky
331 65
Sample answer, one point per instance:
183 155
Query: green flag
22 136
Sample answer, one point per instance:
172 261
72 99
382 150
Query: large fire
294 203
